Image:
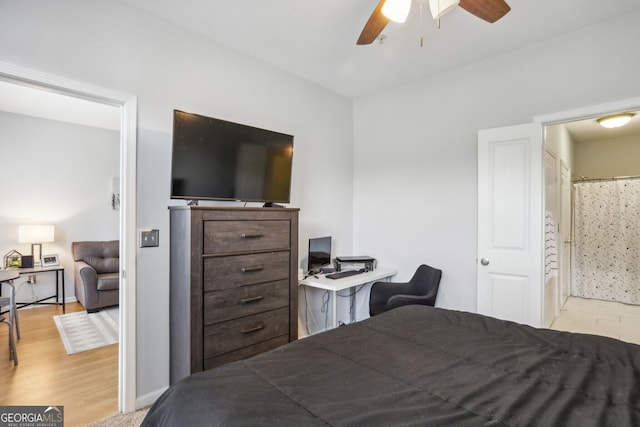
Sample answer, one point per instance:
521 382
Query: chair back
103 256
426 279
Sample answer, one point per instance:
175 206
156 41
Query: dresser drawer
239 270
245 236
245 352
224 337
244 301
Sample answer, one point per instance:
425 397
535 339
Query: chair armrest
382 291
403 299
86 284
87 274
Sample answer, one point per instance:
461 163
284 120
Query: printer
354 263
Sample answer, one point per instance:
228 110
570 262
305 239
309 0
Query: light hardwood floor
86 384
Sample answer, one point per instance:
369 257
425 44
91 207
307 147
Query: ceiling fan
397 10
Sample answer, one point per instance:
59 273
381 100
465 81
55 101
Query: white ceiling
316 39
30 101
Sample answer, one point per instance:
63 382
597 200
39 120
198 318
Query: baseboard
149 398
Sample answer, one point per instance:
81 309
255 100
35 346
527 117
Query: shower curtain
606 236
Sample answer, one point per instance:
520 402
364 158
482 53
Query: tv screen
319 253
214 159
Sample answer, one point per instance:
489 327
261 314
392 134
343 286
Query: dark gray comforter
418 366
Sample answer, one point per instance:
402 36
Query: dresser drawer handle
252 269
254 299
254 329
251 235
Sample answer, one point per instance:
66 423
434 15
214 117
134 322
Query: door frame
590 112
128 210
565 239
550 159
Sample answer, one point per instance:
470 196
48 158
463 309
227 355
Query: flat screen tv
215 159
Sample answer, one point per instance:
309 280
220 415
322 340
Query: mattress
420 366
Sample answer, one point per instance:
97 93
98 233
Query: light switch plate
149 238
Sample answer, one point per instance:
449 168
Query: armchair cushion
109 282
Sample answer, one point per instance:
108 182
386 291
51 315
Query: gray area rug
81 331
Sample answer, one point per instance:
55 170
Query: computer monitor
319 253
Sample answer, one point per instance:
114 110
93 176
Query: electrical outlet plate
149 238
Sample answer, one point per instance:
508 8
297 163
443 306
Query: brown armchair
97 273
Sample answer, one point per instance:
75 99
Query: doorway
511 206
588 152
128 119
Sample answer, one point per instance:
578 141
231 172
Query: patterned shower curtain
606 252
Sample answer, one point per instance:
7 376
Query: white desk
336 285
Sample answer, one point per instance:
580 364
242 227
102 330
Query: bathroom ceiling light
615 120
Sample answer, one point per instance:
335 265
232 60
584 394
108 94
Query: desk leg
352 305
335 309
64 306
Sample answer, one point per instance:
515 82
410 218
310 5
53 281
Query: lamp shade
396 10
35 233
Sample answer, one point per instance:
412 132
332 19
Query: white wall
115 46
607 158
56 173
415 149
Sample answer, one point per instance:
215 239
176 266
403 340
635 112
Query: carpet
132 419
81 331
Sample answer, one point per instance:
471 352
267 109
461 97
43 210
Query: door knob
484 261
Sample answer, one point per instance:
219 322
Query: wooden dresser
233 284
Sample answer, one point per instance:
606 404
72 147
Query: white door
510 224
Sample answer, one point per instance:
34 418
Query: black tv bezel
194 199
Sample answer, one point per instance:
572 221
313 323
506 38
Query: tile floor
611 319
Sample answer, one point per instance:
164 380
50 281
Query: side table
59 273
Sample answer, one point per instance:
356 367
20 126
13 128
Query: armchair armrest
86 284
87 274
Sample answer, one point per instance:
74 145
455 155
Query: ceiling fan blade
374 26
489 10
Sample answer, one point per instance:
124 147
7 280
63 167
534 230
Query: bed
418 365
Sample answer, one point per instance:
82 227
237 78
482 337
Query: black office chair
421 289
